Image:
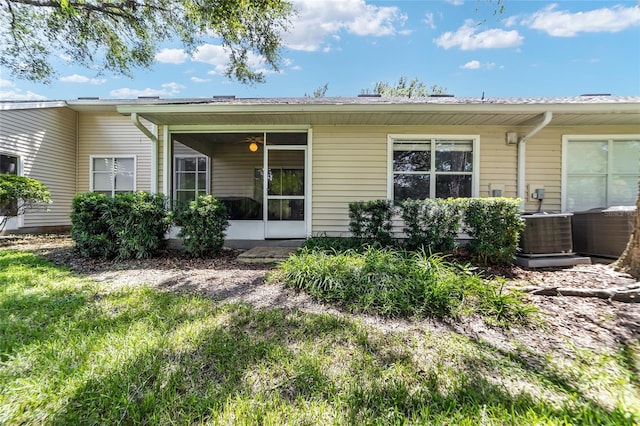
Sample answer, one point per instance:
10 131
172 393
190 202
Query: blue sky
533 49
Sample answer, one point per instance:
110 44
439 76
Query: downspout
522 159
154 150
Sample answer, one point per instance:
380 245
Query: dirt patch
567 322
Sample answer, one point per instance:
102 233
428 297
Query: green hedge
494 224
370 221
130 225
431 224
204 223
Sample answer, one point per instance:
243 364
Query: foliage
129 225
89 227
320 92
413 89
138 221
73 352
122 35
203 224
19 193
370 221
431 224
494 225
392 283
333 244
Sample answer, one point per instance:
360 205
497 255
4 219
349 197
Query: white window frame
113 157
18 157
175 172
432 139
610 138
18 221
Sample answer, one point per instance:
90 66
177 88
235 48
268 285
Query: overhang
370 111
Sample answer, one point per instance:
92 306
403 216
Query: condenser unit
603 232
546 234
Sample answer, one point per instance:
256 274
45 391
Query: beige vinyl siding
45 140
350 164
112 135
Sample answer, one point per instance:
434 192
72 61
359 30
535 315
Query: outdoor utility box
546 234
603 232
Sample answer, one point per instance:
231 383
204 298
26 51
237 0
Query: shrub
89 227
333 244
139 222
370 221
126 226
203 223
392 283
431 224
19 193
494 225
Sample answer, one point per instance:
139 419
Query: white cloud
475 65
200 80
218 56
318 20
77 78
471 65
429 21
168 89
559 23
456 2
13 93
212 54
466 38
172 56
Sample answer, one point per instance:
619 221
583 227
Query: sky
532 49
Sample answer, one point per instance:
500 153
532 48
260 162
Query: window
191 177
600 171
9 164
433 167
112 175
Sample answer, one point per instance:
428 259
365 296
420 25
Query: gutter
154 150
522 150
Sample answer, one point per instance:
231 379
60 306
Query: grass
73 353
396 283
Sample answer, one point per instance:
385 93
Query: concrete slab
266 254
552 261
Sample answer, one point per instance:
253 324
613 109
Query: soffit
385 118
389 111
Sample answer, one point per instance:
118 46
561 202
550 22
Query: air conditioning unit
603 232
546 234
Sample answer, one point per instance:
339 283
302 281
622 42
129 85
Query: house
288 167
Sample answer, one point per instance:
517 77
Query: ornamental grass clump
395 283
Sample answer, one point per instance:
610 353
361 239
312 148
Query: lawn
73 352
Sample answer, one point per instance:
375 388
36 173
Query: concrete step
552 261
266 254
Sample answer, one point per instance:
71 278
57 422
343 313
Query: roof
369 110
